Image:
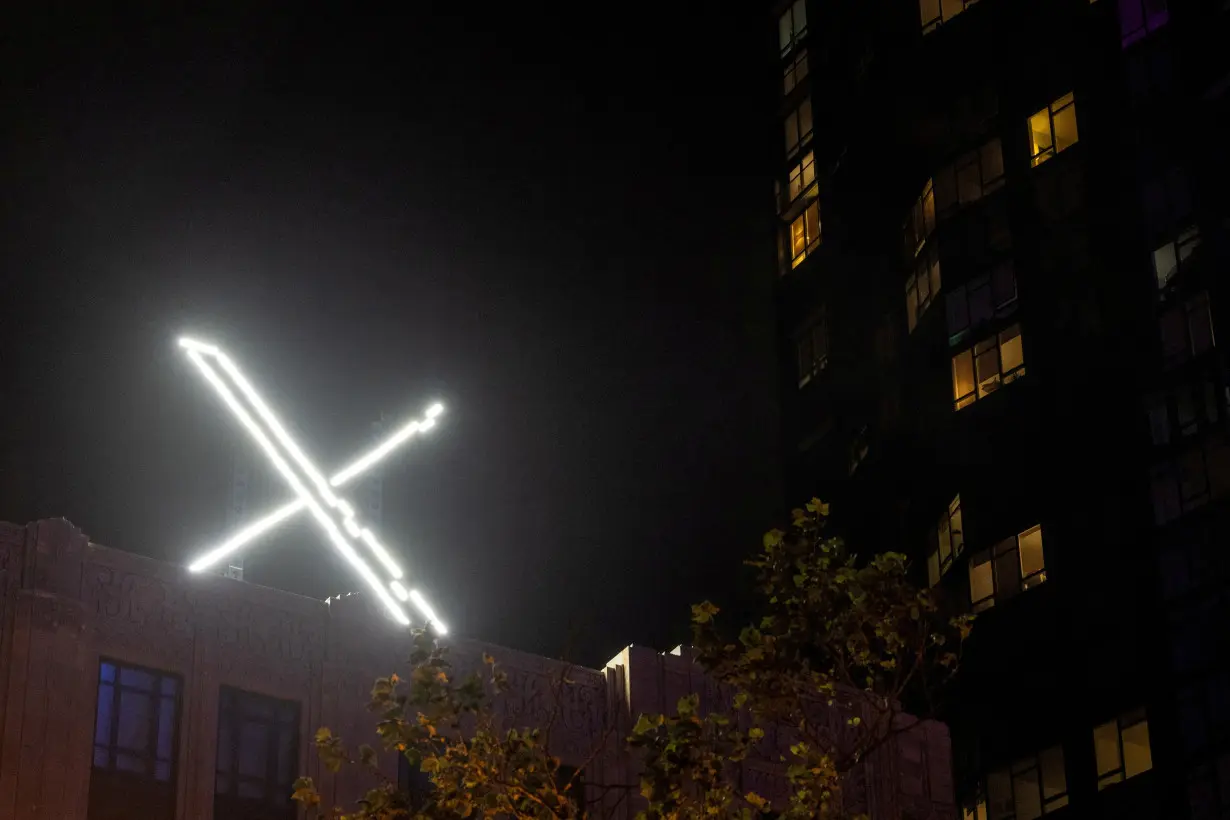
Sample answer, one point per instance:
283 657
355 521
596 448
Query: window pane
805 121
1065 127
1028 798
933 270
102 725
962 376
1200 323
101 758
798 239
107 672
958 311
1136 755
911 304
129 763
933 569
999 795
946 195
922 285
1106 748
799 10
928 201
1054 781
796 182
981 581
286 755
1030 543
945 539
166 727
169 686
980 309
986 363
812 214
992 163
137 679
809 169
135 720
1007 569
969 179
1165 264
1172 326
1040 135
1003 285
929 10
253 749
1010 348
792 132
955 528
785 32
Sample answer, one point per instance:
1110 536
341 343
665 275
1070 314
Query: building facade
1000 293
130 688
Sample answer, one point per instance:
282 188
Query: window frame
1181 246
981 388
949 197
801 137
980 808
1054 109
799 227
111 747
959 301
1197 306
797 33
794 71
1151 20
949 538
1021 581
926 270
918 228
1118 772
943 17
800 170
816 328
232 712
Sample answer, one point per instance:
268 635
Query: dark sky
557 220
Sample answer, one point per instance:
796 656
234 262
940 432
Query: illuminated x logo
313 492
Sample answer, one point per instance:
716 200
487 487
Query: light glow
314 493
421 604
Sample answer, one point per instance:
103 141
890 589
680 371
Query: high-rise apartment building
1001 290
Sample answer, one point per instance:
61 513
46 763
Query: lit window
923 286
1121 748
1027 790
792 26
794 72
805 233
1012 565
1186 330
258 755
1052 129
1169 258
995 361
1139 18
798 127
970 178
802 175
934 13
813 348
921 221
978 301
949 542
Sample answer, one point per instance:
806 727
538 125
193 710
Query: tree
839 636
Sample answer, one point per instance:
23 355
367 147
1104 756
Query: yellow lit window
923 287
933 13
794 72
949 542
805 233
995 361
798 127
802 176
792 26
1053 129
921 221
1121 748
1011 566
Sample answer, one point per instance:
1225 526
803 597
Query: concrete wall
65 603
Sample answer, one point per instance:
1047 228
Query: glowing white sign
334 515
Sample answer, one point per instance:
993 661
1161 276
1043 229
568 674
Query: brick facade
66 603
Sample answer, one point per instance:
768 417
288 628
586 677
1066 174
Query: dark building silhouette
1000 294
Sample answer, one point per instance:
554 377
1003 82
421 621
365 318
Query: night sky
556 219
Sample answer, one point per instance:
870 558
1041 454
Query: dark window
258 756
980 300
1186 330
1187 481
1208 790
813 348
1170 257
792 26
1204 711
798 127
794 72
1139 18
970 178
923 286
135 740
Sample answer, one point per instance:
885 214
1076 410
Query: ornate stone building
131 689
